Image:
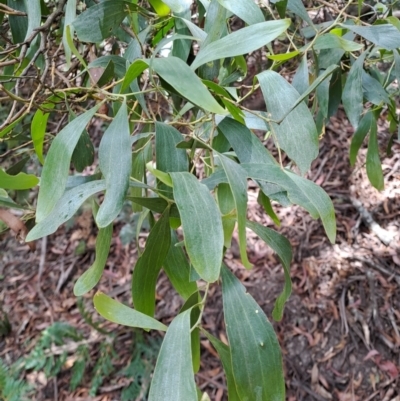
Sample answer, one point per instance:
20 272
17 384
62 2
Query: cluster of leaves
186 162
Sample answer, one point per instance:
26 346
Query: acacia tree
179 146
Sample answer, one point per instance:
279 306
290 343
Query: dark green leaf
177 268
65 208
256 357
173 378
56 167
202 226
116 312
373 90
115 159
298 8
296 134
281 246
374 166
149 264
359 136
98 21
83 155
238 43
265 202
352 96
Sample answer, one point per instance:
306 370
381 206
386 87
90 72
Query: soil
340 331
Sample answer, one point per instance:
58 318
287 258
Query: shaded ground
340 331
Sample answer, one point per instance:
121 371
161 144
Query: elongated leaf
301 80
374 166
38 128
119 313
300 191
34 15
148 266
359 136
19 181
97 22
237 179
65 208
296 134
256 357
385 35
173 378
238 43
352 96
177 268
202 226
177 73
168 157
224 353
246 145
331 41
91 277
265 202
115 159
55 170
178 6
8 203
247 10
70 15
281 246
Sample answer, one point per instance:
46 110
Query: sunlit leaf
119 313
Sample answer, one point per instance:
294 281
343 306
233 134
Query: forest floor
340 331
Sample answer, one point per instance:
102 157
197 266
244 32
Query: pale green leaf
296 134
281 246
70 15
352 96
115 159
173 378
383 35
34 16
119 313
238 43
237 179
202 226
19 181
256 356
247 10
331 41
56 167
65 208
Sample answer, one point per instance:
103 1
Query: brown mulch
340 332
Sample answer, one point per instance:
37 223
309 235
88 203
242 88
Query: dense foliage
179 146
